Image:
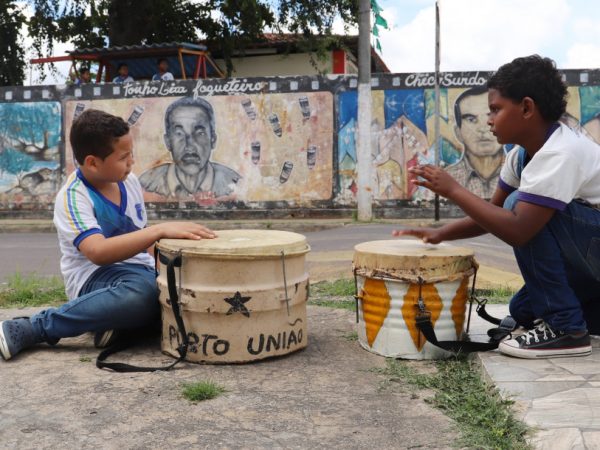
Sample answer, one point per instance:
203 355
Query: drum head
240 243
411 259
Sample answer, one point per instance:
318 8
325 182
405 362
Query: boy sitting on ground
101 221
546 206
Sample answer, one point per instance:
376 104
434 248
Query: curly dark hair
535 77
94 133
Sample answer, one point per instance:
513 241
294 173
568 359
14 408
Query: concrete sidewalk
326 396
557 397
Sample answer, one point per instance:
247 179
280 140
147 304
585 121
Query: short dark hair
84 69
159 60
477 90
121 65
94 133
198 103
535 77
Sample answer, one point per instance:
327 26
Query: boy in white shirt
100 217
545 207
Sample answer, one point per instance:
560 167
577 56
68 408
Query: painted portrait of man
479 167
190 136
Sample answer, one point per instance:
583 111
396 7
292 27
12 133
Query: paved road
39 253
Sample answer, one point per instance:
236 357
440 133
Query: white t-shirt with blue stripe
80 211
566 168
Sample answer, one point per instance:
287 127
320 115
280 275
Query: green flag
375 7
381 21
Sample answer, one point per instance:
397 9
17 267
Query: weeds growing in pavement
484 419
201 390
31 290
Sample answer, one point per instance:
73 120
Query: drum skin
390 277
233 297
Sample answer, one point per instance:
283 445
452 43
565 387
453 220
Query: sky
483 34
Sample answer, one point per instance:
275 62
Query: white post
437 103
364 196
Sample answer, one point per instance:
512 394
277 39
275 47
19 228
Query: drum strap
506 326
171 264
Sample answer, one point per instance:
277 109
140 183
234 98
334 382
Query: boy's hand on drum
427 235
435 179
184 230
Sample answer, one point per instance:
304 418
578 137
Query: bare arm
461 229
515 227
104 251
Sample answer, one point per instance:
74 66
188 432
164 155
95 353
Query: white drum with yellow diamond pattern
390 275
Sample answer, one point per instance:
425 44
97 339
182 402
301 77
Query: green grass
31 290
333 294
201 390
496 295
484 419
338 288
85 359
351 336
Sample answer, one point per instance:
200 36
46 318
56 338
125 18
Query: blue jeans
117 296
561 269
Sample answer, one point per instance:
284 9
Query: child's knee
141 295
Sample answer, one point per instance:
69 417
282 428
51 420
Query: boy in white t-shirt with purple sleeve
546 206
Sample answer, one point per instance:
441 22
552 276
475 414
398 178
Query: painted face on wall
474 131
189 138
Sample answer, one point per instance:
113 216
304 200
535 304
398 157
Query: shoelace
539 329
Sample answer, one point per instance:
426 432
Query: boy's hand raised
184 230
435 179
427 235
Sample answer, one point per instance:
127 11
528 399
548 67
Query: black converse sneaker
16 335
544 342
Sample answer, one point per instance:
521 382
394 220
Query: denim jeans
117 296
561 269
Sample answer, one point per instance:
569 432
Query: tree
12 55
227 25
14 162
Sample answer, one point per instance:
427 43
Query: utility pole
437 103
364 196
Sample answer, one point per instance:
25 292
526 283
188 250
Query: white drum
243 295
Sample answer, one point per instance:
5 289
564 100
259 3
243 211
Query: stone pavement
325 396
558 397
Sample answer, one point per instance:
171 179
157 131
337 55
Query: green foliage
484 418
202 390
12 54
227 25
31 290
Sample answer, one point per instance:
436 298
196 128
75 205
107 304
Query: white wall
277 65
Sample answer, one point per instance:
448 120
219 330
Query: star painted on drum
237 304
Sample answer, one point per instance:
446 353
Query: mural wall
274 143
248 148
30 138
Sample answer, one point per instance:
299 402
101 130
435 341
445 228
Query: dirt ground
325 396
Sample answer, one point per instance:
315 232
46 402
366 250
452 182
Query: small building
274 55
287 55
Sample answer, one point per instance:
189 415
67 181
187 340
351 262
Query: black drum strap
423 322
171 264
